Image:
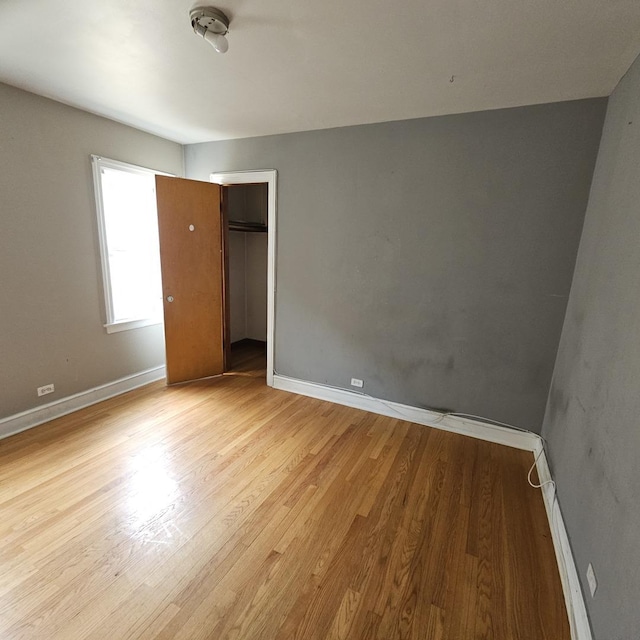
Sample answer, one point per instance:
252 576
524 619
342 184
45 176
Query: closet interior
247 268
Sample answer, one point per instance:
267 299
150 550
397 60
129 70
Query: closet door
190 228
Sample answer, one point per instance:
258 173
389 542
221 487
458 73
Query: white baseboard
33 417
574 600
576 610
464 426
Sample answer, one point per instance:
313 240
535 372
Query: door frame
270 177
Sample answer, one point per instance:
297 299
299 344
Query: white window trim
126 325
111 325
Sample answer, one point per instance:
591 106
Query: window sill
126 325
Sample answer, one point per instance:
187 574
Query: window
128 228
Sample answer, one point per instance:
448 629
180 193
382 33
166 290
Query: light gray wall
237 286
247 203
592 422
52 308
431 258
248 285
257 286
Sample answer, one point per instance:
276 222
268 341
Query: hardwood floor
227 510
249 356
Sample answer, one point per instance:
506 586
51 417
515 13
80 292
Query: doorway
250 225
190 232
246 233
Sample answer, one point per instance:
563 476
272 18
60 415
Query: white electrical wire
487 422
535 462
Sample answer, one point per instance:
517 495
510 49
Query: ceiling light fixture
211 24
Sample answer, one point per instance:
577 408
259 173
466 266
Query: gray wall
431 258
257 286
592 422
52 308
247 203
237 286
248 285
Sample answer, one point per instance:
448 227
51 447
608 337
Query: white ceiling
295 65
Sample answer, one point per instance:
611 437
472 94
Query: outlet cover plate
355 382
47 388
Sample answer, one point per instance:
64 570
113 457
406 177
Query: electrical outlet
357 383
591 579
48 388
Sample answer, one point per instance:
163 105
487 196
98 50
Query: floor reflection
152 493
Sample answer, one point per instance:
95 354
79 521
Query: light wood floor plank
223 509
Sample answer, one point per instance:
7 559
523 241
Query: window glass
128 223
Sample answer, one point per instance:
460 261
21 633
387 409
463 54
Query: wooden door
191 256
